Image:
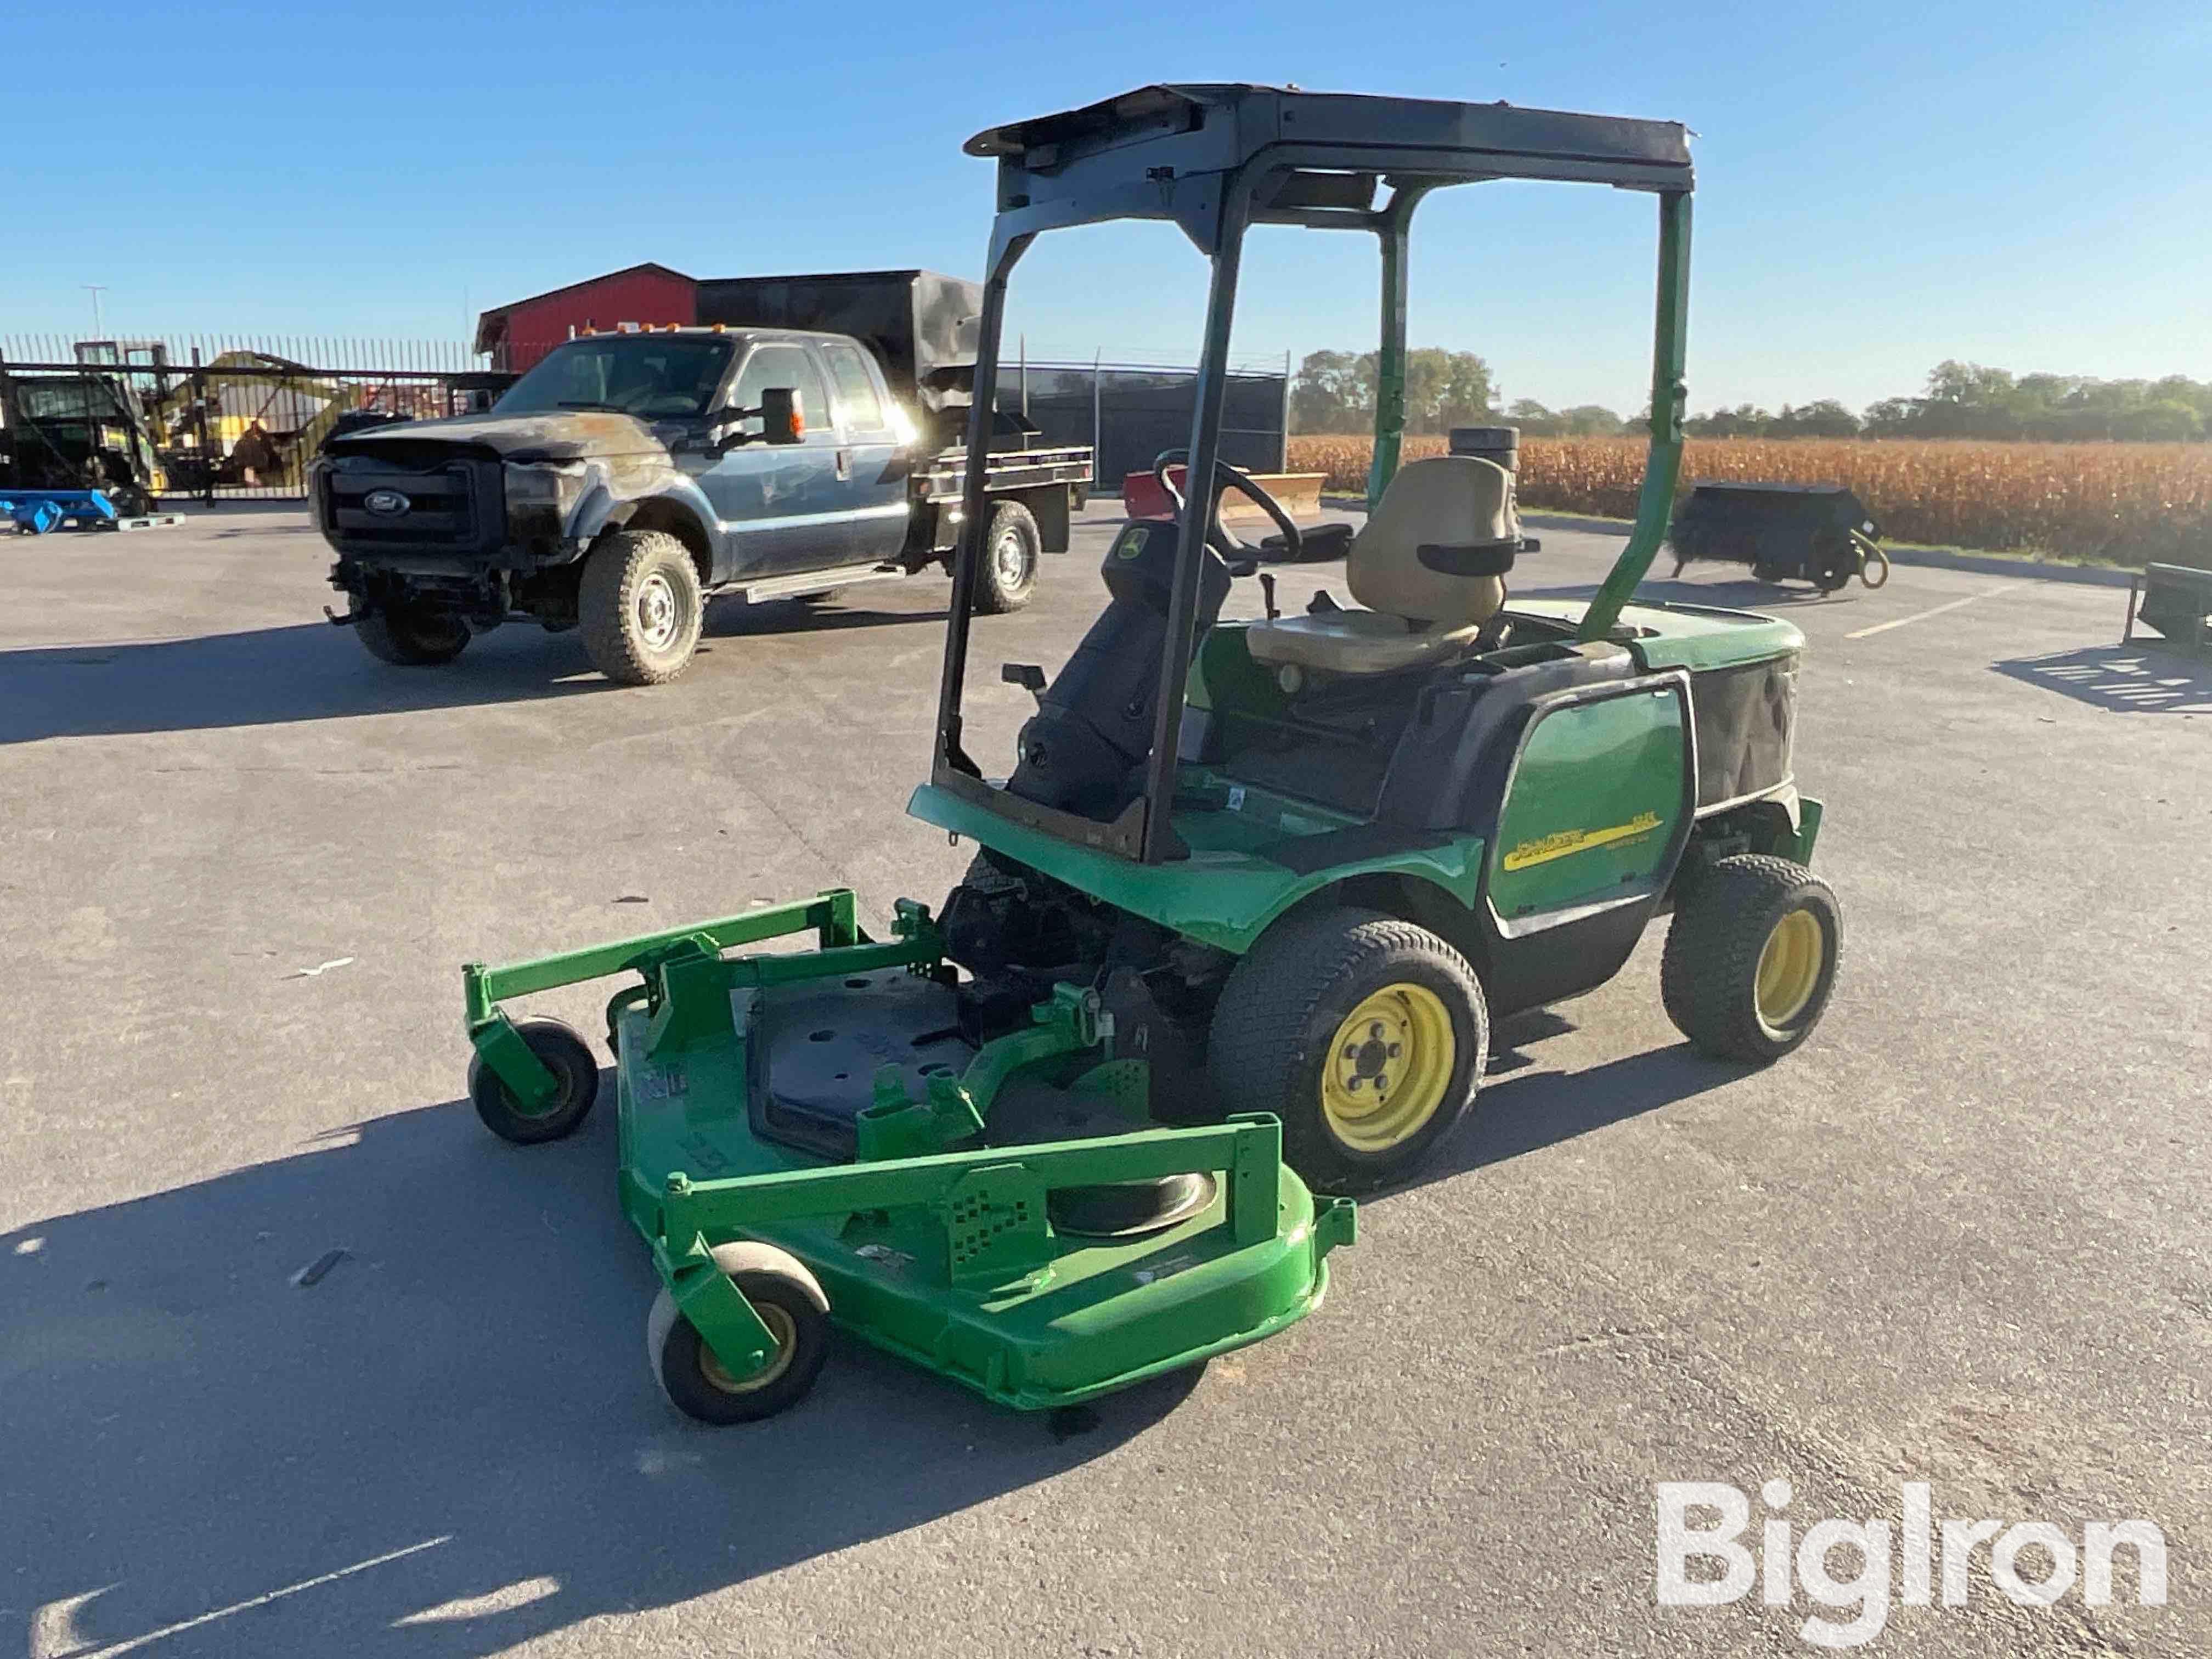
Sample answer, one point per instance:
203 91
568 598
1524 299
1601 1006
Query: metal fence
236 416
226 417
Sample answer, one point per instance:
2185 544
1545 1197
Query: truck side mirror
781 420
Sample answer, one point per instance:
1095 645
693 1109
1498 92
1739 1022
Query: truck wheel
1751 957
1010 550
640 607
1366 1035
411 636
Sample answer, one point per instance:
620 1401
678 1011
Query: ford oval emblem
389 503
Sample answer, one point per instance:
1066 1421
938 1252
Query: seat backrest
1450 499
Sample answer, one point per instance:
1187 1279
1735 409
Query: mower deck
934 1237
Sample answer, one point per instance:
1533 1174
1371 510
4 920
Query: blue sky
1881 186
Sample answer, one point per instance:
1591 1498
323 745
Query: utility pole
98 288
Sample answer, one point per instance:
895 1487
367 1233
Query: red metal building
518 334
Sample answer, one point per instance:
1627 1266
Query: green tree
1445 389
1590 421
1533 419
1826 419
1334 392
1744 420
2168 420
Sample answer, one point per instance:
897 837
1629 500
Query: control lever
1268 594
1027 674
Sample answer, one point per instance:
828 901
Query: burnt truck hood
585 434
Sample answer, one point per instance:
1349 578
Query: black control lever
1027 674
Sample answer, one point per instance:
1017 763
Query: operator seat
1415 614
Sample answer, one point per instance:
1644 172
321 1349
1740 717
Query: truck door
872 472
778 502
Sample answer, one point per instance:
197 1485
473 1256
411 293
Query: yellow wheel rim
1388 1068
1789 967
780 1326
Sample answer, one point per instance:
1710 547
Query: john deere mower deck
1253 889
809 1133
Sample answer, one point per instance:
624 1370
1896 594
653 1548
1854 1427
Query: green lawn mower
1246 906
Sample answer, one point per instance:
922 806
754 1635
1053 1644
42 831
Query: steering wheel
1218 536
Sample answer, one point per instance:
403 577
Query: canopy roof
1163 151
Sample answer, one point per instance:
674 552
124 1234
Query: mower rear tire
789 1301
1011 548
561 1048
1366 1034
410 636
1751 957
641 607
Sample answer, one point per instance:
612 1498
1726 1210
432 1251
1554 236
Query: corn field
2124 504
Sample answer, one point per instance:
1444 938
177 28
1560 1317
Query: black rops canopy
1160 152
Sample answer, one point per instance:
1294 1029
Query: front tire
640 607
1751 957
790 1302
412 636
1366 1034
1011 548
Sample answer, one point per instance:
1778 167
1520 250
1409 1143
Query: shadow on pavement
448 1445
313 671
1524 1113
306 671
728 619
2127 679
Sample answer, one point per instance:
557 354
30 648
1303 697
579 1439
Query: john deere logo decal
1561 843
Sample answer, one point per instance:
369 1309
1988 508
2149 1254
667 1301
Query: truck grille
452 507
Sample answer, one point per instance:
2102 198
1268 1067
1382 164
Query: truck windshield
653 376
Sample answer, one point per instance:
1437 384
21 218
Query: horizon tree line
1334 392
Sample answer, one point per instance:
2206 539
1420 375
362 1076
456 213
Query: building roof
492 324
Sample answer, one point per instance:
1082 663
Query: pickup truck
628 476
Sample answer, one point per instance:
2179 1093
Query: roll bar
1216 160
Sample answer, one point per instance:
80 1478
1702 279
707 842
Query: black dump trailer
921 325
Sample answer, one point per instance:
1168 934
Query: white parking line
53 1627
1922 616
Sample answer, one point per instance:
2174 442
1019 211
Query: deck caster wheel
1366 1034
1751 957
790 1302
561 1048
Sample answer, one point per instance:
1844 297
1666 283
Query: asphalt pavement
1959 1238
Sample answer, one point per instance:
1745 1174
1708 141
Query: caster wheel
563 1052
790 1303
